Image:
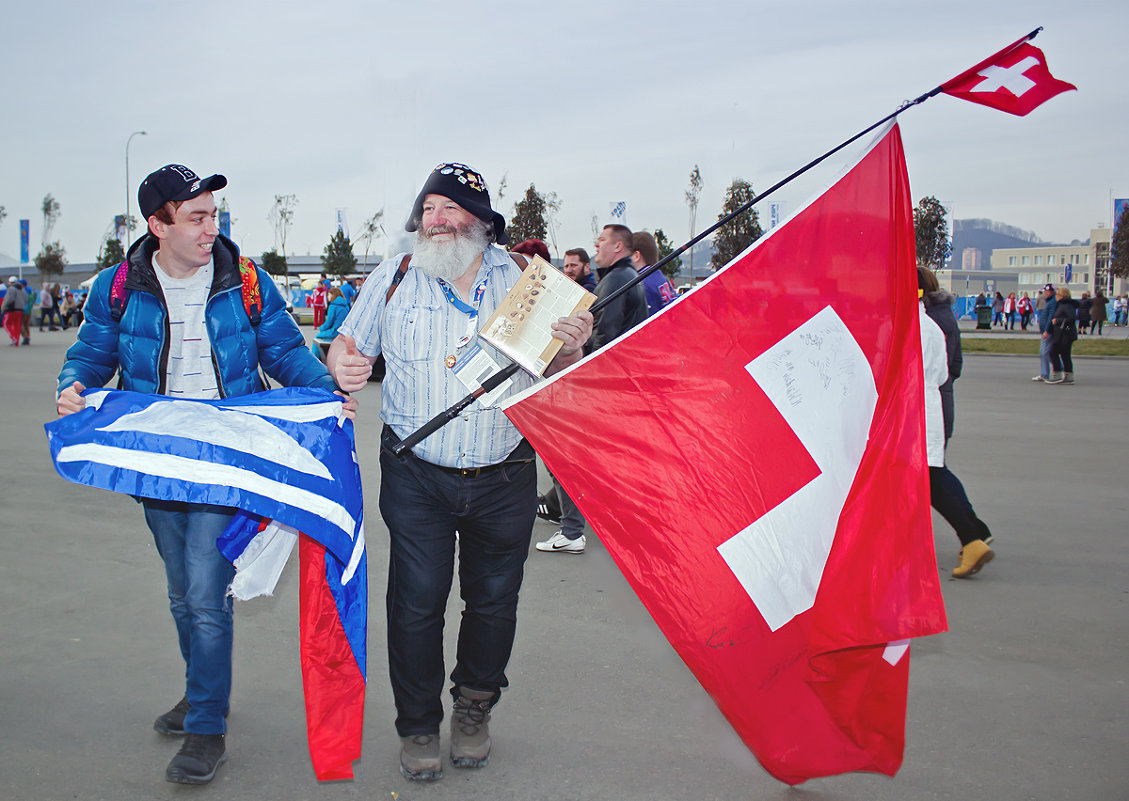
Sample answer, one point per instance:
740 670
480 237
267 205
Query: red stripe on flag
333 685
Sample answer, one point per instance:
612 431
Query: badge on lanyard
471 311
474 367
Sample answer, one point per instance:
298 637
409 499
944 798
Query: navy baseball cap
173 182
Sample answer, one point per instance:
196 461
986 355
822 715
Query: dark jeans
1061 360
949 498
198 577
423 507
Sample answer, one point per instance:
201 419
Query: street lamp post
127 188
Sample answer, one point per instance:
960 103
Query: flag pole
495 380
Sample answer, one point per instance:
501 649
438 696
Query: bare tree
501 190
50 217
282 218
553 219
3 214
595 227
369 229
692 195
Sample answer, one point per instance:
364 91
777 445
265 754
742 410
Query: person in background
1046 310
1025 308
578 267
335 314
15 299
1098 314
531 248
1085 305
1009 311
946 493
657 287
1063 331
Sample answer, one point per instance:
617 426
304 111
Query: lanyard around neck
461 305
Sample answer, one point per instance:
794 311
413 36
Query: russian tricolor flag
287 459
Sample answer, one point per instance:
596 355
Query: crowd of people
1091 314
55 303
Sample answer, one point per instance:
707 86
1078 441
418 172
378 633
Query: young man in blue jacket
179 325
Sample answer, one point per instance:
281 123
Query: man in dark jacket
614 247
1044 316
939 307
178 325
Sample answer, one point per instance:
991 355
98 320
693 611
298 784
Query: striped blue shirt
417 331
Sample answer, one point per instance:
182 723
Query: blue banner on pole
25 230
1069 272
225 223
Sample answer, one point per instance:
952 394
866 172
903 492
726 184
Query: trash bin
984 317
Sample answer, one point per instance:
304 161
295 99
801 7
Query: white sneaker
559 543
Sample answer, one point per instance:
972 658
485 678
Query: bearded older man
476 476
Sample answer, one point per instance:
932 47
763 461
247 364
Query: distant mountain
986 236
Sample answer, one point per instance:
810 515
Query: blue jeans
572 521
198 577
423 506
1045 357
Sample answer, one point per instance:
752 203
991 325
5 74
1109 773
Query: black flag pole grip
441 419
447 415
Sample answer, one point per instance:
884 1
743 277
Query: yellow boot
973 557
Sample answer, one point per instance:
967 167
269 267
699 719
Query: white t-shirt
190 372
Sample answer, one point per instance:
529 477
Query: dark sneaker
419 758
172 722
548 508
198 759
470 729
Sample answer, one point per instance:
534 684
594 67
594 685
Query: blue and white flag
287 459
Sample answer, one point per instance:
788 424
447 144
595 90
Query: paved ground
1024 698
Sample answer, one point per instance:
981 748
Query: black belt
469 472
475 472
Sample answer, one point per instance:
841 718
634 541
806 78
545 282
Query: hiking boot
198 759
172 722
1056 378
972 558
1068 378
470 729
559 543
419 758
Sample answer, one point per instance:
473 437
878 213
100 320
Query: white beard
450 259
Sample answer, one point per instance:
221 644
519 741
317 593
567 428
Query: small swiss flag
1015 80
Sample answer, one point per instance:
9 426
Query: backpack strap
520 260
398 277
252 294
118 294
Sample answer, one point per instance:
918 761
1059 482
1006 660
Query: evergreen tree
1119 246
528 220
338 258
740 232
931 230
672 267
111 253
273 262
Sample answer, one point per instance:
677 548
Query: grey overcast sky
350 103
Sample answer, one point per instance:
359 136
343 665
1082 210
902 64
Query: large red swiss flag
754 462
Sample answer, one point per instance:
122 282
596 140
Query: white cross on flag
755 464
1015 80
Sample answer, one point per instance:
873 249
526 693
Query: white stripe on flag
186 469
236 430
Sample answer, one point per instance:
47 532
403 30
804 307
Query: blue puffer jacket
138 345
